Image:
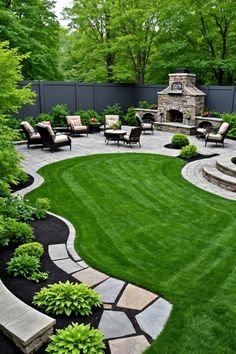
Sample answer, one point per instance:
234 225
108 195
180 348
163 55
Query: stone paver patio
117 296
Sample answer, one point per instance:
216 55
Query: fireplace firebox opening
174 116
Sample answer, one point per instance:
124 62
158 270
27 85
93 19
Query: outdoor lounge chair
32 136
75 126
133 137
145 126
111 120
218 137
203 129
50 139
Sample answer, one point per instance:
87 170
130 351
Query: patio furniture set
53 139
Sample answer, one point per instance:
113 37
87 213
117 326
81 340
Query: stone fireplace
180 103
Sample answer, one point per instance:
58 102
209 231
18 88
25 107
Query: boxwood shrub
31 248
67 298
179 140
188 151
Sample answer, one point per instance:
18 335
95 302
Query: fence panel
98 96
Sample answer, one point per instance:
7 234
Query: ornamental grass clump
77 339
179 140
67 298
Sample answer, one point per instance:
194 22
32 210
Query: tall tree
32 26
90 40
199 35
137 27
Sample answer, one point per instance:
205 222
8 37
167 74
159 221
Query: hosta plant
12 231
31 248
77 339
67 298
26 266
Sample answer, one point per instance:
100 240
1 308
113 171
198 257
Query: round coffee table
114 135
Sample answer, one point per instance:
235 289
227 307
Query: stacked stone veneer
190 101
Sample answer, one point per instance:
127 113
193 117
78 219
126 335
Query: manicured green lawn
136 218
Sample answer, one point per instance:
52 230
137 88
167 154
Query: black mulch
171 146
17 187
48 231
197 157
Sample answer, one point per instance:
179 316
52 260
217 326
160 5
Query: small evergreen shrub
67 298
129 118
76 339
179 140
26 266
42 206
32 249
188 151
232 133
45 117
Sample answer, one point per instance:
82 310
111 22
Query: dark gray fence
97 96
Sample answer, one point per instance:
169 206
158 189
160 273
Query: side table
94 128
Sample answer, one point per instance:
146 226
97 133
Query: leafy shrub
45 117
230 118
32 249
31 120
179 140
129 118
13 231
87 115
232 133
15 207
59 112
4 189
67 298
76 339
13 122
188 151
144 104
26 266
41 207
114 109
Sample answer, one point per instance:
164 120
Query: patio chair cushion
49 128
75 122
79 127
214 136
110 120
224 126
28 127
35 136
60 138
147 125
201 130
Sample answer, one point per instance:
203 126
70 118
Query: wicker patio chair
75 126
50 139
145 126
133 137
32 136
218 137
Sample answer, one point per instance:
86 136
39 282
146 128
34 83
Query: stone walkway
149 311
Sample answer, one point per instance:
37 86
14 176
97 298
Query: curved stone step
225 164
213 175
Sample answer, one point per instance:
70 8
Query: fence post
41 97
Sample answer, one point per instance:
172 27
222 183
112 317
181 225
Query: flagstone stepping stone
135 297
152 320
90 276
67 265
83 264
109 289
58 251
129 345
115 324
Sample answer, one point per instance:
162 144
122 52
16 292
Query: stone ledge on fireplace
176 128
